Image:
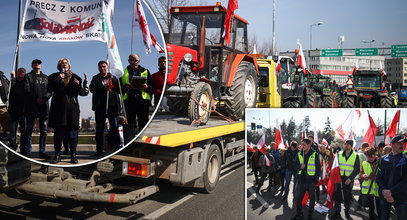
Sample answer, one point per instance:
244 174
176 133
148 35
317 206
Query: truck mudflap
57 183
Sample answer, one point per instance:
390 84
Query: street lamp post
370 46
310 40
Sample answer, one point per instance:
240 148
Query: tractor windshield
367 82
284 73
185 28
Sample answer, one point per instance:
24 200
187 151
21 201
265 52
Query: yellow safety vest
366 183
311 168
125 80
347 166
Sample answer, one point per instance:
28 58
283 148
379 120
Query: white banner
58 21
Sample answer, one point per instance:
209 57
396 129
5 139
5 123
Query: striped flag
141 21
113 55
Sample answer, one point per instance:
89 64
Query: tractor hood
175 56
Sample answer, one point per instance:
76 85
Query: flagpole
385 126
132 29
16 60
398 124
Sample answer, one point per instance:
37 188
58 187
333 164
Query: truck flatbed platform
174 131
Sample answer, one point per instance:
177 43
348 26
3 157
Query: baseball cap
36 61
399 139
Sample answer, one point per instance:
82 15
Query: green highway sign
331 52
399 47
366 51
398 50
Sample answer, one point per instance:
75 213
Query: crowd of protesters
381 171
28 96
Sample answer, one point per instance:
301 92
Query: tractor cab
195 36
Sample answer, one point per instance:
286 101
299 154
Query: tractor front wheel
200 103
243 92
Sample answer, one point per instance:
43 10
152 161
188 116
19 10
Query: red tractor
204 72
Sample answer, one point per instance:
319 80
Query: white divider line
161 211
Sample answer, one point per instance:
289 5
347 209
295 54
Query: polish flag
382 69
232 6
391 132
156 45
141 21
305 199
261 143
278 67
356 67
250 148
324 142
334 178
371 130
268 162
345 129
301 58
279 138
316 135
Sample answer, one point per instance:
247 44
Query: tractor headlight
188 57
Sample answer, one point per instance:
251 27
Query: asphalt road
169 203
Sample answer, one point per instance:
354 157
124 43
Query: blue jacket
397 184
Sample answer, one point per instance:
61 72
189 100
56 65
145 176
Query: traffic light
253 126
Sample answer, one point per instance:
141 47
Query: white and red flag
301 58
324 142
156 45
141 21
382 69
316 135
279 137
232 6
278 67
261 143
356 67
250 148
334 178
345 129
391 132
371 130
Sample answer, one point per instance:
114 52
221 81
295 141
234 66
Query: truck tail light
135 169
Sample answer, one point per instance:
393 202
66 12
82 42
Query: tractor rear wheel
311 100
348 102
292 103
203 94
386 102
243 92
178 106
327 101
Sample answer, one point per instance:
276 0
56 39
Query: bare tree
161 9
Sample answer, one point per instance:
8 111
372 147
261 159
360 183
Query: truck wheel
212 171
294 103
348 102
327 102
243 92
311 100
386 102
178 106
203 94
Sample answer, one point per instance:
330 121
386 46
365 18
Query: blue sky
383 21
85 55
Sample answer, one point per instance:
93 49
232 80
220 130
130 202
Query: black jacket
304 178
99 86
289 159
133 92
396 182
64 109
36 85
4 83
18 99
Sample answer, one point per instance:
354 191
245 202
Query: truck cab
268 94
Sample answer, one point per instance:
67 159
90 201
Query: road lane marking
163 210
258 197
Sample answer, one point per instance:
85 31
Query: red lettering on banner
68 29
